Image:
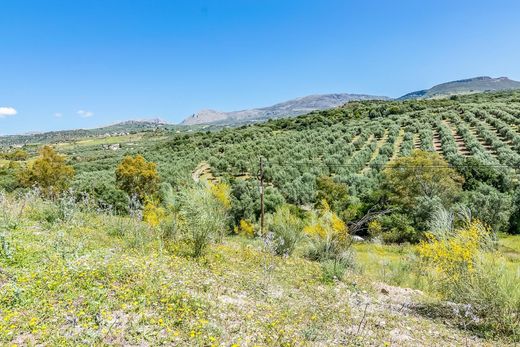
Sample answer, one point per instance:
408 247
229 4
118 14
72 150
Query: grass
382 262
102 140
387 263
94 279
509 247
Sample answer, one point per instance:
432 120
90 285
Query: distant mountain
153 121
289 108
467 86
122 128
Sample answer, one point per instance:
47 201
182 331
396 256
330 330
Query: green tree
137 177
490 206
335 193
49 172
514 220
474 172
423 174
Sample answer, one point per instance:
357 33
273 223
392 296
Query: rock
356 238
398 336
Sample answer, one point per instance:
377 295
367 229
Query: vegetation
137 177
99 245
48 172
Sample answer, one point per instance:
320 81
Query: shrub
44 211
245 200
49 173
286 228
397 228
8 180
138 177
205 219
462 272
153 214
245 228
221 191
329 242
490 206
100 188
454 258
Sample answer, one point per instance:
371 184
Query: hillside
289 108
466 86
94 279
386 223
122 128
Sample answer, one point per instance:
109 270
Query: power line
392 166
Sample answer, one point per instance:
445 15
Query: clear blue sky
82 63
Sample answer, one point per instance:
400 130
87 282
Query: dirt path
203 170
461 146
397 144
374 155
437 142
392 317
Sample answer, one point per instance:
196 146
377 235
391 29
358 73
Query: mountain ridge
289 108
478 84
316 102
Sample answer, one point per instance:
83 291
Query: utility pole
261 178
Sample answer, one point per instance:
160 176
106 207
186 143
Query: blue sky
83 63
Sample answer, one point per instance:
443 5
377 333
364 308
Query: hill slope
76 282
471 85
126 127
289 108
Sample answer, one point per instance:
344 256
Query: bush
464 273
286 228
245 228
49 173
490 206
153 213
245 200
205 219
397 228
100 188
44 211
329 242
138 177
453 257
8 180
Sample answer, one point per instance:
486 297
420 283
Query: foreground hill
471 85
289 108
96 279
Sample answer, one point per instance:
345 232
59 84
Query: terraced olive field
353 143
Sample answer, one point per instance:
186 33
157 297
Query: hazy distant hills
310 103
122 128
206 119
467 86
289 108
